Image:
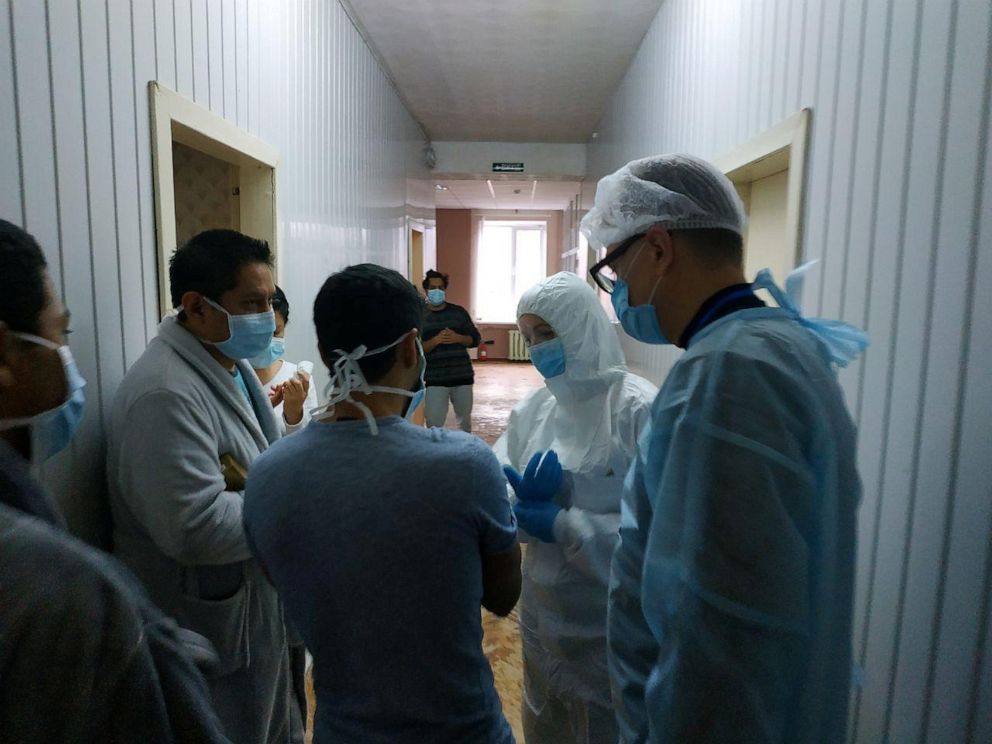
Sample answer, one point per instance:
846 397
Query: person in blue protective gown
731 587
587 419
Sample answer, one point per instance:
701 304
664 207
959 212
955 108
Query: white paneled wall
899 211
75 163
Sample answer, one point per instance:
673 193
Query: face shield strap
347 377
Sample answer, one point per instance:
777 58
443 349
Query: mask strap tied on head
347 378
844 342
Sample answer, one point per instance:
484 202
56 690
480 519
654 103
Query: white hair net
675 191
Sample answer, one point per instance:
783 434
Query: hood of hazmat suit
592 416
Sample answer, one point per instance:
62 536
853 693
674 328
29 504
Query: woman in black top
447 333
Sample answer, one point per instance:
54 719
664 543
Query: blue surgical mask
435 296
549 358
421 391
640 322
277 347
52 430
250 335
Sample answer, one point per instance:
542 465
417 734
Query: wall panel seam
983 638
89 218
113 181
852 162
137 179
923 376
17 112
825 251
55 149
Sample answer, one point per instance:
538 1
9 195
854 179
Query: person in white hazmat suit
732 584
590 412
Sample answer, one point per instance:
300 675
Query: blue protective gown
732 585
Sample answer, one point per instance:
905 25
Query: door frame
779 148
175 118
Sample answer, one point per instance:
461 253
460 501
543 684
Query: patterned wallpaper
203 193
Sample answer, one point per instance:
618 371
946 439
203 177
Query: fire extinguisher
483 351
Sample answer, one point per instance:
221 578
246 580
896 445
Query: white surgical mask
347 377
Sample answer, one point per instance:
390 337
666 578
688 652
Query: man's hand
275 395
294 395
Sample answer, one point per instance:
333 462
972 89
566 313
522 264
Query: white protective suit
591 415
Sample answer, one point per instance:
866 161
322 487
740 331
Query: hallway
470 140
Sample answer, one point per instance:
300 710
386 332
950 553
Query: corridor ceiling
507 71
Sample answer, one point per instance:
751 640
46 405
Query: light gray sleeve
169 475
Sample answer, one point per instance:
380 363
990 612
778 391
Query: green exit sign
508 167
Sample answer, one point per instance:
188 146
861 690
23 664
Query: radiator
518 347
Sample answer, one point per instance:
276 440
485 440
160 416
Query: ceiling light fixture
440 187
533 191
492 191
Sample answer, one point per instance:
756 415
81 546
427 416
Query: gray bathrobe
175 415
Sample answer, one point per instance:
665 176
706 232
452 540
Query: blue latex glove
541 479
537 518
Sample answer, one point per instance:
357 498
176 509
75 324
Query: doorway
208 173
417 258
768 173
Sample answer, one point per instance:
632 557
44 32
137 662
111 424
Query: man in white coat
187 421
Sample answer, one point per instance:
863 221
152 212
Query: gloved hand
537 518
541 479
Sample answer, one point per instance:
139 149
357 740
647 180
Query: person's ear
195 307
408 350
661 250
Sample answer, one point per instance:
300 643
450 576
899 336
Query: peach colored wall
454 257
454 253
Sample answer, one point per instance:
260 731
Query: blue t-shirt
376 545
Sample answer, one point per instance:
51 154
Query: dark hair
716 246
433 274
366 305
22 271
209 263
280 304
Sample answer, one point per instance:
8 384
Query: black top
723 303
449 365
20 491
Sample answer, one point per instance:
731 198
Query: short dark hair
366 305
22 279
280 304
716 246
209 263
433 274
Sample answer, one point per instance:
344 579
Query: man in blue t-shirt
384 538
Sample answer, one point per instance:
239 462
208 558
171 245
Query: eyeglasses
603 273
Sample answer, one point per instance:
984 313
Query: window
512 258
